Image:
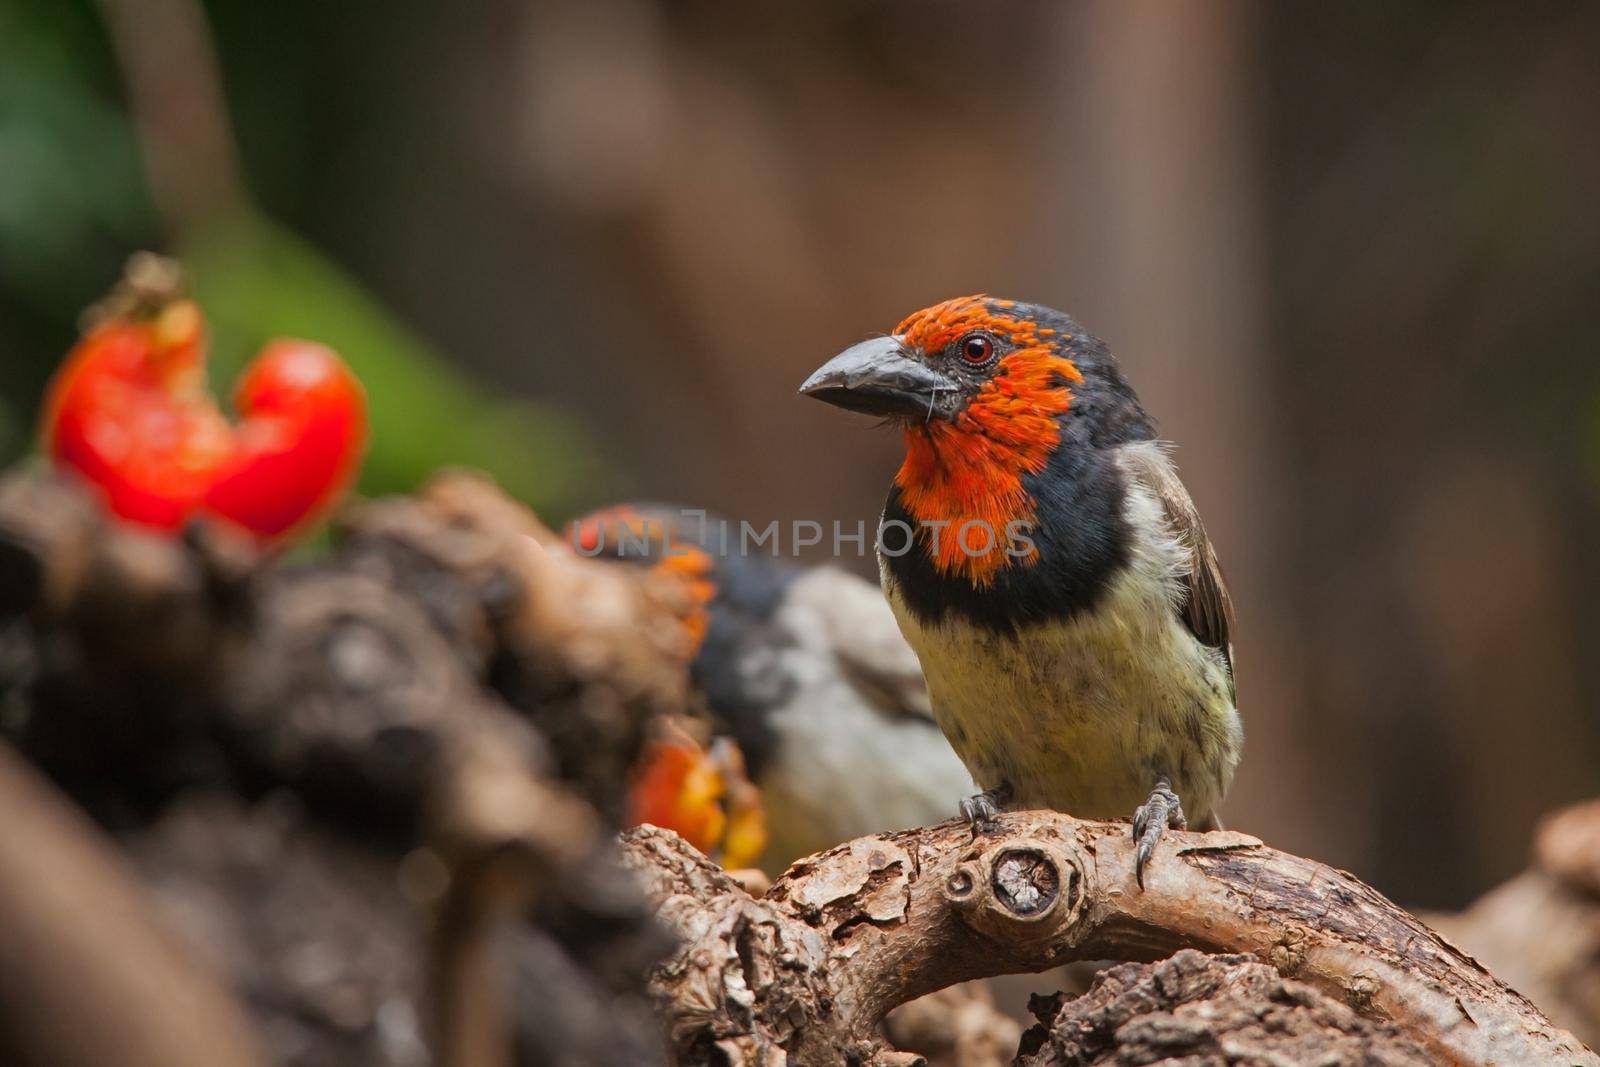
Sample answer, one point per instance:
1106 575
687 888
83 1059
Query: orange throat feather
961 481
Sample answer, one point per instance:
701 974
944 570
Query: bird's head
981 388
962 362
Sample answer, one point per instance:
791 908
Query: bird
805 668
1049 568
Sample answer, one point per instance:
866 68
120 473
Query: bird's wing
1208 609
851 617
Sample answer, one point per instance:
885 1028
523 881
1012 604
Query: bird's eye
977 348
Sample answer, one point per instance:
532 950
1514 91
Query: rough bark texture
1207 1011
808 971
377 792
88 977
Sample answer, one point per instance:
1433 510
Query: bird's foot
980 809
1150 820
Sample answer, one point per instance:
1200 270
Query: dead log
1202 1010
377 790
809 970
90 976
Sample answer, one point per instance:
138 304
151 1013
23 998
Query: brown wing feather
1208 610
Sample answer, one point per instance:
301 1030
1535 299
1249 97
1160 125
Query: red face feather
971 468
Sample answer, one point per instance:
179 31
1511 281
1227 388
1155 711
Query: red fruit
304 424
129 410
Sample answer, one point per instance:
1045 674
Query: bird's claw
1161 810
980 809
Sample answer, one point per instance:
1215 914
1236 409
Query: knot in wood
1360 990
961 883
1288 951
1026 882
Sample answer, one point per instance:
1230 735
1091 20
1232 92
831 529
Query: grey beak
877 377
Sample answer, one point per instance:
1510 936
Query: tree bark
1202 1010
91 977
805 974
378 792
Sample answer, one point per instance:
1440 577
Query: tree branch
846 935
92 976
1195 1008
377 791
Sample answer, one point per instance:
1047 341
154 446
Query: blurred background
1349 254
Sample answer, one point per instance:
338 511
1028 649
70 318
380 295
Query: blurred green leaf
72 192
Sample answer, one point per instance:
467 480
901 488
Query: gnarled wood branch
377 791
92 976
1198 1008
811 968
